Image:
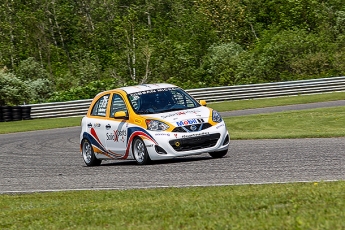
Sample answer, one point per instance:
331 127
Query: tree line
57 50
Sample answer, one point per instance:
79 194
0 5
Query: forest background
60 50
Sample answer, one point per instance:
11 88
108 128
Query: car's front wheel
88 154
140 152
219 154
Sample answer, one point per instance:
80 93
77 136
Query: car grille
193 143
192 128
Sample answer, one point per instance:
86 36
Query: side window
117 104
100 107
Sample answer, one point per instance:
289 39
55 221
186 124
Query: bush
13 91
29 69
40 90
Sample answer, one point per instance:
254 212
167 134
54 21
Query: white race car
150 122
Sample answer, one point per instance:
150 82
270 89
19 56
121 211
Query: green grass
273 206
38 124
323 122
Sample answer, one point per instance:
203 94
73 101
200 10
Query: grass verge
38 124
271 206
323 122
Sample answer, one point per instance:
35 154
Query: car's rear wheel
219 154
140 152
88 154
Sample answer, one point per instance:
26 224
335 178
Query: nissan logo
193 127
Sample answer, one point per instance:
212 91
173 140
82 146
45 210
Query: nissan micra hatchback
150 122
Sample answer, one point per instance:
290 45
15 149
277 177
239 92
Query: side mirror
203 102
120 115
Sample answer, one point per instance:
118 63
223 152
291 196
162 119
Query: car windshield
161 100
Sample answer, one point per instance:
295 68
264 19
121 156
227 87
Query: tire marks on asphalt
50 160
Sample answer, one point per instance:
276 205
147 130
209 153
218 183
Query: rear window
100 107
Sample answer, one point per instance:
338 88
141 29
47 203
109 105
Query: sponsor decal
195 135
219 126
97 125
116 135
179 113
175 134
162 134
189 122
149 146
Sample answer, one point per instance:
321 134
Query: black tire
88 154
140 153
7 113
16 113
1 116
219 154
26 111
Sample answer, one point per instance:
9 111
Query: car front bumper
171 145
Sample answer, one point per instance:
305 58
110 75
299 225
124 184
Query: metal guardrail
214 94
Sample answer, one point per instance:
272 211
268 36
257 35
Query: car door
116 129
96 124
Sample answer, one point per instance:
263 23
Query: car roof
145 87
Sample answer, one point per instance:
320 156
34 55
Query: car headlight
155 125
216 116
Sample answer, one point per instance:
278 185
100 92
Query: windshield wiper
145 112
174 109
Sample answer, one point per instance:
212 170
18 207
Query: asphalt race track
50 160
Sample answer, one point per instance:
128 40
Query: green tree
69 45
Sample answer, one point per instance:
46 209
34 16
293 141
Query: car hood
184 117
